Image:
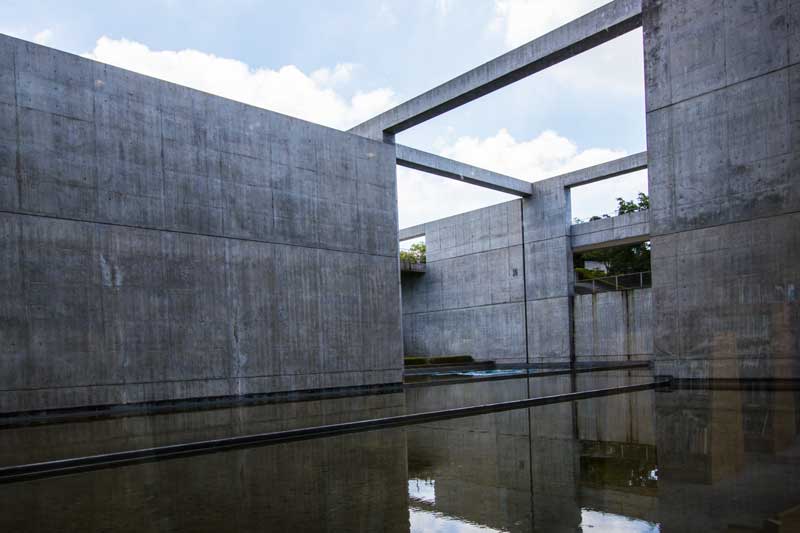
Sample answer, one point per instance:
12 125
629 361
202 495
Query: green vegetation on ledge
415 254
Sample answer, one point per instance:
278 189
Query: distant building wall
470 299
614 326
723 133
158 243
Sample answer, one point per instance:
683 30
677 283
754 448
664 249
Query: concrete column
548 272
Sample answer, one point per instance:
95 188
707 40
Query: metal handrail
641 280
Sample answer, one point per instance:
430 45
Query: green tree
415 253
641 203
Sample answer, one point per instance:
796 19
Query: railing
619 282
408 266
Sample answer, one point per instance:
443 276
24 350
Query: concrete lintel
604 171
593 29
448 168
625 229
411 233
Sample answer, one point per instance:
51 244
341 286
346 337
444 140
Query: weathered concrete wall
157 242
614 326
723 133
470 299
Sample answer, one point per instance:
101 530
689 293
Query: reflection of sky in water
422 490
427 521
597 521
481 373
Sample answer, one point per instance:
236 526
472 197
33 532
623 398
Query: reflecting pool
652 460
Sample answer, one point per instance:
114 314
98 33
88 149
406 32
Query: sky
341 62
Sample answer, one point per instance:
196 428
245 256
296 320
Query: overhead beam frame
449 168
589 31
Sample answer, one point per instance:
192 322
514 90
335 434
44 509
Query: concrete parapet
629 228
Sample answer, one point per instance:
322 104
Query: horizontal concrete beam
630 228
603 171
593 29
412 232
448 168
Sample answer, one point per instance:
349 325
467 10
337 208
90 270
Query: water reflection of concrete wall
555 462
481 465
57 441
521 470
620 418
727 457
348 483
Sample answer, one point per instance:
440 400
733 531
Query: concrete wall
157 242
723 133
470 299
614 326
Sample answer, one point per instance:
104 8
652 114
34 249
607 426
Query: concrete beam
604 171
630 228
411 233
448 168
593 29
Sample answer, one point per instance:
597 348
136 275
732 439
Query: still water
681 460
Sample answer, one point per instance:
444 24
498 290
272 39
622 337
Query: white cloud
524 20
617 65
43 37
340 74
545 155
423 197
286 90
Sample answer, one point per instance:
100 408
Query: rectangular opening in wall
413 255
613 268
609 197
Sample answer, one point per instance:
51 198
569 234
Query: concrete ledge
448 168
188 405
593 29
614 231
411 233
122 395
